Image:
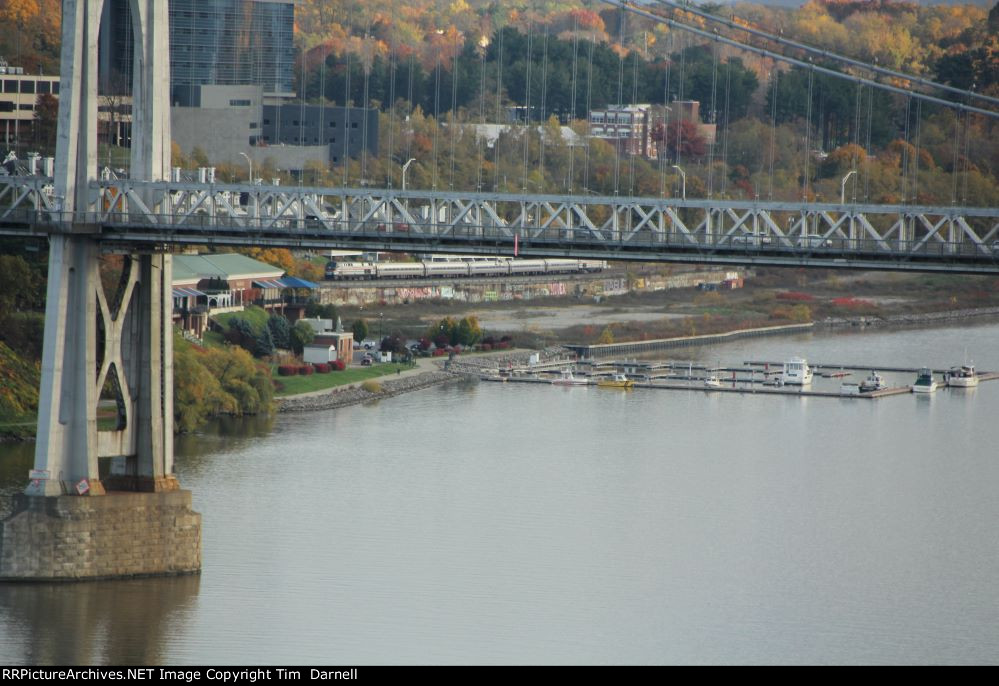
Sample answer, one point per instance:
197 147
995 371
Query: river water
515 523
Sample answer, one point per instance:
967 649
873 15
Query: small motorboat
796 372
925 383
962 377
874 382
616 381
712 381
567 379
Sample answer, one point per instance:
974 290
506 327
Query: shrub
372 386
486 347
287 370
306 370
338 365
795 296
322 368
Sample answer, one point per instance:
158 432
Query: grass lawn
291 385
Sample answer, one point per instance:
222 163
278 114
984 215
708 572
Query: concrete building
226 122
343 132
627 127
18 99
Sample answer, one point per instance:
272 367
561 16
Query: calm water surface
514 523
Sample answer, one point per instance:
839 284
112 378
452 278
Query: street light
842 186
404 168
250 162
683 178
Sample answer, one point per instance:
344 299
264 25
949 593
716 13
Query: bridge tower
137 521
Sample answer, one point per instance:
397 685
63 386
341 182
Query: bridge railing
656 228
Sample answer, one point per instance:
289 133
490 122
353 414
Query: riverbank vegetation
219 380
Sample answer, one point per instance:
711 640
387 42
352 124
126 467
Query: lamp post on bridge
249 162
683 178
404 168
842 186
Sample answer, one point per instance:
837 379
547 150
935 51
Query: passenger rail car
479 267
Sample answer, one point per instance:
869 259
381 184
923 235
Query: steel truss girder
894 236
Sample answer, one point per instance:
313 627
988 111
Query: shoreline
470 366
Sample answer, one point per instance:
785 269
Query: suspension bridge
63 528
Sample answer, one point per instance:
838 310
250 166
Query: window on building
27 86
353 124
239 103
10 86
43 87
55 88
253 125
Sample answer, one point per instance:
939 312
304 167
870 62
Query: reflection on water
104 622
521 523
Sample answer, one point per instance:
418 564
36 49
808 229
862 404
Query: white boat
796 372
962 377
712 382
567 379
925 383
874 382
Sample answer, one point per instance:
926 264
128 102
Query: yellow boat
616 381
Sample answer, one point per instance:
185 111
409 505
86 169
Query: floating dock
753 378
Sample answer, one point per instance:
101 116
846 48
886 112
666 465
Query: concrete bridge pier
77 519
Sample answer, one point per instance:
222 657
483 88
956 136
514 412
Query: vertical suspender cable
915 168
870 123
967 156
482 118
645 133
527 104
661 144
499 109
572 100
437 118
773 130
589 108
367 60
393 64
345 160
453 124
725 116
713 118
544 109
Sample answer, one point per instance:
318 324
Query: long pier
757 383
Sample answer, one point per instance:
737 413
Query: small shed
322 353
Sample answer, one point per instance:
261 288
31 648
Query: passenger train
447 266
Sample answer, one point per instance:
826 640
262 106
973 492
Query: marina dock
754 377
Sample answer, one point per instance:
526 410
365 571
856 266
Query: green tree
280 331
301 335
468 332
360 329
264 345
19 285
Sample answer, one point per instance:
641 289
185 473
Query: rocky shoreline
353 395
457 370
909 319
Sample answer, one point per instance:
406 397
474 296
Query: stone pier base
69 538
